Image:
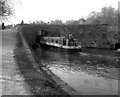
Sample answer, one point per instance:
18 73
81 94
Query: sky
47 10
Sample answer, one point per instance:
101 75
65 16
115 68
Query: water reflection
89 72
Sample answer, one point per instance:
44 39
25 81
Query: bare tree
6 9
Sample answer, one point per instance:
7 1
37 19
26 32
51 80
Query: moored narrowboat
118 52
61 42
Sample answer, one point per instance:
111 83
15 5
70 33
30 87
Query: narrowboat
60 42
118 52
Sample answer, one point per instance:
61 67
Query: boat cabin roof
56 38
53 37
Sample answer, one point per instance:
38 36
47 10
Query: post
119 22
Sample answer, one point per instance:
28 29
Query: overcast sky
46 10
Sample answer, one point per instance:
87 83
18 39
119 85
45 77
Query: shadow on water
91 69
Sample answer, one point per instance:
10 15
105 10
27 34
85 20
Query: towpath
11 81
18 75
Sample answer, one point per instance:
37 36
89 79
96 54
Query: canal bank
52 84
94 68
11 79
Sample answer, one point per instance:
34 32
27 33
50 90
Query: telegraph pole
118 22
2 14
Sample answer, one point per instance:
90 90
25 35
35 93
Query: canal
90 72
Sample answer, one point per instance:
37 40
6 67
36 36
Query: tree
82 21
40 22
72 22
56 22
108 15
94 18
22 22
6 9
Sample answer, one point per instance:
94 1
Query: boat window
60 42
75 44
42 39
71 44
56 41
64 42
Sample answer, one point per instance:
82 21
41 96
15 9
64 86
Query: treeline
107 15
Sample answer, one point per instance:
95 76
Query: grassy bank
85 33
40 83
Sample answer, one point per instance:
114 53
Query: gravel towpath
18 76
12 82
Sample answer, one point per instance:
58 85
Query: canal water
90 72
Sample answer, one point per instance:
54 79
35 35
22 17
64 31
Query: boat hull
118 52
46 46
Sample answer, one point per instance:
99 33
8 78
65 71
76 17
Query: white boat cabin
60 41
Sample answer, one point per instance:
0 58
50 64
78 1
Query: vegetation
56 22
108 15
6 9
